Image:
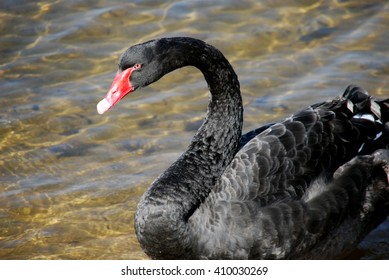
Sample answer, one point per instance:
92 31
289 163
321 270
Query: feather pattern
278 194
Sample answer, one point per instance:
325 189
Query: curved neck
162 215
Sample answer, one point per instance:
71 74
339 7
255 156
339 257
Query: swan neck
163 213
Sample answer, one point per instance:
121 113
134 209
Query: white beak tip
103 106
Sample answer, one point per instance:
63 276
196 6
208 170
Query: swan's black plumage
311 186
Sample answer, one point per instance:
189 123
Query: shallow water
71 179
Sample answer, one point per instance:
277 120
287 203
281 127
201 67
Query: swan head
139 66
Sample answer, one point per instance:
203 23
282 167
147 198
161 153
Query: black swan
309 187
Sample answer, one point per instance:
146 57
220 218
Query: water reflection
70 179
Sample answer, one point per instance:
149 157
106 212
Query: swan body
308 187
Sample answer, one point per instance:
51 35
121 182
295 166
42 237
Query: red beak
120 87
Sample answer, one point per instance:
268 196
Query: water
71 179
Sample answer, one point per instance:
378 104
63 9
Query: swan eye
136 66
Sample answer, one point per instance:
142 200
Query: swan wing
279 194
